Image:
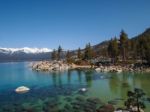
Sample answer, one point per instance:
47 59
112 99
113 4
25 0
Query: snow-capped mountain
24 50
24 54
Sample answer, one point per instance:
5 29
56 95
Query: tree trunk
124 55
138 107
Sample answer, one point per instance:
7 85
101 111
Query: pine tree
88 54
59 52
68 57
144 48
133 50
113 49
79 54
135 99
141 48
147 51
54 55
123 45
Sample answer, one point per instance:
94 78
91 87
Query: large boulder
22 89
106 108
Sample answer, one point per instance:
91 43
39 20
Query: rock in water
22 89
83 90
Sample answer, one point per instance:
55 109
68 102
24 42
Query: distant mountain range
24 50
24 54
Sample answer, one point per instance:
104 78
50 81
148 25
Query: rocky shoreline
127 68
55 66
62 66
50 66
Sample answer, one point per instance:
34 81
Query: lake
60 91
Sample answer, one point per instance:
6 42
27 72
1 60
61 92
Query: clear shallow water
59 91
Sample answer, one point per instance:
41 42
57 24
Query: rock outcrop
50 66
56 66
22 89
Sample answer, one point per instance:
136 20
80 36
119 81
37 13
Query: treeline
56 54
121 49
84 55
125 50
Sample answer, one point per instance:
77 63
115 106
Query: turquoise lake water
60 91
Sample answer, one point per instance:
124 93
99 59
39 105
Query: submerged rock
80 98
83 90
94 100
22 89
113 102
121 110
68 99
106 108
109 69
125 84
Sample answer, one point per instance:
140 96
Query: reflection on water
79 76
60 90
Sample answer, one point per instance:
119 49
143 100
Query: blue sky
69 23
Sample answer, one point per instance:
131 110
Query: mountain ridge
24 54
24 49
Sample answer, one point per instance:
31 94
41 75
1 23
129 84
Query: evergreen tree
103 52
113 49
128 49
141 48
147 51
135 100
54 55
88 53
133 50
68 57
79 54
148 55
144 48
59 52
123 45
